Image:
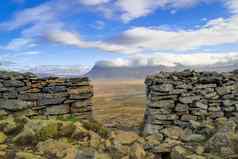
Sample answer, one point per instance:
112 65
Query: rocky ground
69 138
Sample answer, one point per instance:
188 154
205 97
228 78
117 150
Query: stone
188 117
166 146
189 99
27 155
224 90
26 138
163 88
137 152
201 105
173 132
57 109
126 137
49 129
44 100
66 129
228 103
221 139
205 86
3 138
180 152
13 83
167 117
181 108
8 125
163 104
82 96
81 104
59 149
15 105
154 140
54 89
3 113
195 138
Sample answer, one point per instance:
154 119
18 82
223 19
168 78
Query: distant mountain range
100 71
59 70
140 72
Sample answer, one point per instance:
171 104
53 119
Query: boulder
26 138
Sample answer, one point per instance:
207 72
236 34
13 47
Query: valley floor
119 103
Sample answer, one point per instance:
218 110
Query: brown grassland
119 103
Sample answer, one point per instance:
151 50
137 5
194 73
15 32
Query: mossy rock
8 125
3 138
103 156
97 127
66 129
48 130
27 155
26 137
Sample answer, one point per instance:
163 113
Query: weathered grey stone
57 109
162 104
54 89
13 83
214 109
163 88
189 99
229 109
10 95
167 117
188 117
181 108
15 105
228 103
205 86
81 104
195 138
201 105
224 90
164 97
81 96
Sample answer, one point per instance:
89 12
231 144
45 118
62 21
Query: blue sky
125 33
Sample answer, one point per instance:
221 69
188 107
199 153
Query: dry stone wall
176 99
27 94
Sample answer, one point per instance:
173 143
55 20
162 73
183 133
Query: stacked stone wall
27 94
176 99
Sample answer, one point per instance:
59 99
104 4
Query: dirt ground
119 103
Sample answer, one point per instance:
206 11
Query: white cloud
172 59
31 53
216 32
20 43
94 2
133 9
192 59
74 39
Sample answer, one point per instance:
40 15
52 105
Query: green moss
71 118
